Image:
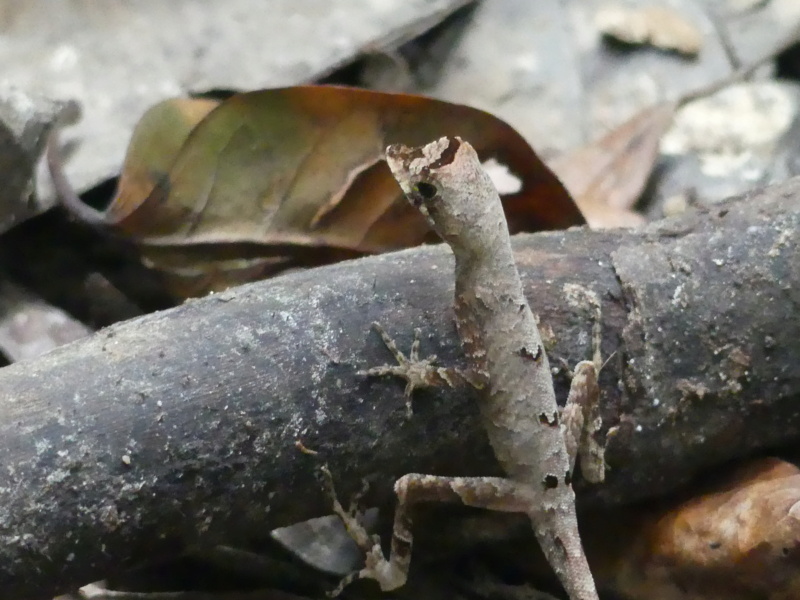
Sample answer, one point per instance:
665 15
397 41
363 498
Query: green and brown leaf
217 193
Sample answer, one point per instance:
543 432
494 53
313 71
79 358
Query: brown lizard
498 331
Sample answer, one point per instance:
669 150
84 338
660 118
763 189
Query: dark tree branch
179 427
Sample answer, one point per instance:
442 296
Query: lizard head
444 180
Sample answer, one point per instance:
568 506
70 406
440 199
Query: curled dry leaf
607 177
220 193
740 538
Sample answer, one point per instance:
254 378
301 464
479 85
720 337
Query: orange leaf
737 538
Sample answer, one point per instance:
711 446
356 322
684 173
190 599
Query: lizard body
498 331
500 337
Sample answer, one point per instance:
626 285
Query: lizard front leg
580 417
418 373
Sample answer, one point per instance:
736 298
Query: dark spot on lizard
568 478
448 155
550 482
545 419
535 355
558 546
715 545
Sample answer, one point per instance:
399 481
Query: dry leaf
222 193
607 176
739 538
160 133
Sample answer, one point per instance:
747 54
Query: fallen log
179 428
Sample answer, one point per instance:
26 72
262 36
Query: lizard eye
426 191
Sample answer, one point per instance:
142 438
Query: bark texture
179 427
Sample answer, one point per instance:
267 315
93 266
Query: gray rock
117 58
546 68
25 124
726 144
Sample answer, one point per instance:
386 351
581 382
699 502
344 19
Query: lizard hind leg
493 493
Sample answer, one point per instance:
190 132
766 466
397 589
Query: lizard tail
562 547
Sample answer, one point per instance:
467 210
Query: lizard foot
418 373
388 574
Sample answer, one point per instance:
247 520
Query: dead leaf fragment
219 193
607 177
659 26
739 538
324 543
